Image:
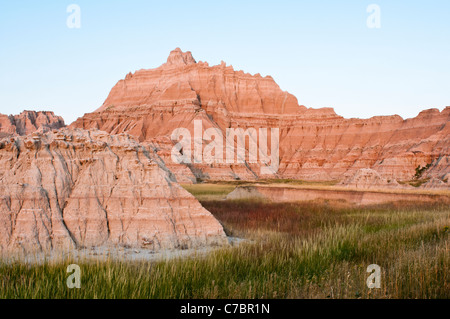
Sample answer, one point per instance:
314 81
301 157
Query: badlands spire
179 58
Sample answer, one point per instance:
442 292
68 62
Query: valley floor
293 250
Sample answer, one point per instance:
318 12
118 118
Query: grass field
295 250
219 190
210 191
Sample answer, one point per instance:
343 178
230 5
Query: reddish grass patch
296 219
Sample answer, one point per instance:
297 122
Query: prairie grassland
295 250
271 181
210 191
334 187
219 190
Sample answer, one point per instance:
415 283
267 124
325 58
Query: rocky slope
75 188
435 183
315 144
28 122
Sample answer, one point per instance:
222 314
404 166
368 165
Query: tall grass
303 250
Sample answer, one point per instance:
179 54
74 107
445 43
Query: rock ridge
315 144
74 189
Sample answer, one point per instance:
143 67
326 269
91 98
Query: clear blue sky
321 51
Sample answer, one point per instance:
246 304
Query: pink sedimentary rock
28 122
435 183
367 178
76 188
315 144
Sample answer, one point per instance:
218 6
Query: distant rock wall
367 178
315 144
28 122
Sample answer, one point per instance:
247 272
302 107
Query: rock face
435 183
367 178
28 122
74 188
315 144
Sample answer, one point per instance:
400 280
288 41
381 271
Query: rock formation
435 183
29 122
76 188
315 144
367 178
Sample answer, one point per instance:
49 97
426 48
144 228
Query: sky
322 51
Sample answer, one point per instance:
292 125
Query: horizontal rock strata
315 144
29 122
75 188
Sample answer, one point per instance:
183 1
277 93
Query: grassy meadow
292 250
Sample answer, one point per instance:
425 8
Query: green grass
295 250
219 189
415 182
298 182
210 191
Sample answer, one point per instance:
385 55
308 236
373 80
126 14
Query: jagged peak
179 58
